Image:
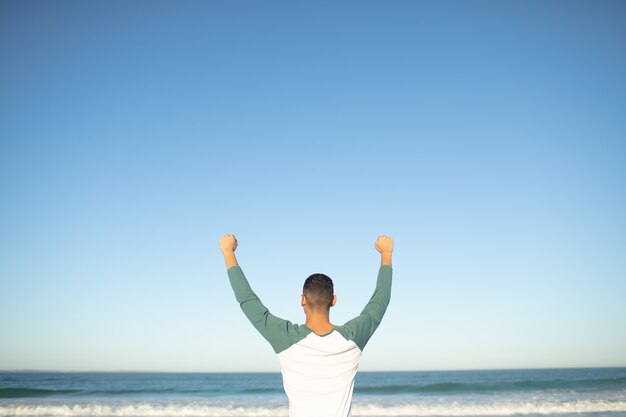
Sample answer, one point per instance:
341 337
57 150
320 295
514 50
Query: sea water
545 392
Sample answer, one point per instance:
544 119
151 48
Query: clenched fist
228 244
384 244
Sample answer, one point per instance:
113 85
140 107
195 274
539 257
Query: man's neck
319 323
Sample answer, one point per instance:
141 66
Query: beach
553 392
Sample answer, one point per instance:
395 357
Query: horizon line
278 371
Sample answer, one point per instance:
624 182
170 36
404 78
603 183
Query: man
318 360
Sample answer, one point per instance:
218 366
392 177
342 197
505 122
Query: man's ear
303 301
332 303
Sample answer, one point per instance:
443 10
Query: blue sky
487 138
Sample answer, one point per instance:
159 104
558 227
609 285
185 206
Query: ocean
543 392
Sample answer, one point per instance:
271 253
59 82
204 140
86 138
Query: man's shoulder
297 330
346 330
288 335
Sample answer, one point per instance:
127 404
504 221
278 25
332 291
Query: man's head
318 293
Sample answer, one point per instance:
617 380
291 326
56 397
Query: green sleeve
361 328
278 332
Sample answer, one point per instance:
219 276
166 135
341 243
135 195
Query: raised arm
362 327
274 329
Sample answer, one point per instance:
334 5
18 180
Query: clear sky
487 138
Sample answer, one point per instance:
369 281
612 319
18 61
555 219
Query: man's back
318 374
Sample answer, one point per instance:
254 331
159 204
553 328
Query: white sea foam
141 410
372 410
490 409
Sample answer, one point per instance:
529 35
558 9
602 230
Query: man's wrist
230 259
385 258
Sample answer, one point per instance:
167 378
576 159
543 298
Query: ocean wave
491 409
33 392
499 386
262 390
374 388
370 410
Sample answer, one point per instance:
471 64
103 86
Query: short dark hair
319 291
